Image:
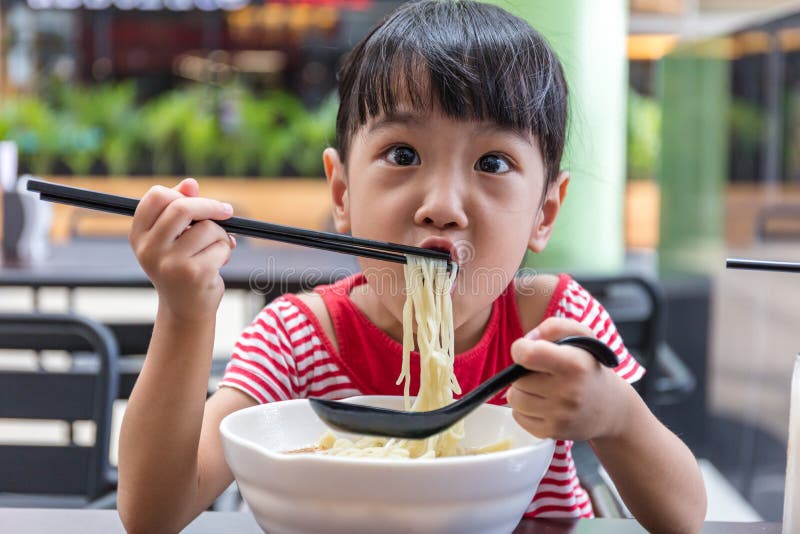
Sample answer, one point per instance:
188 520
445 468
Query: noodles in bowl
304 493
362 487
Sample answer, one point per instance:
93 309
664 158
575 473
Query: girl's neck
467 334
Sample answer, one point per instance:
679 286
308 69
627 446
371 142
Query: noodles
429 307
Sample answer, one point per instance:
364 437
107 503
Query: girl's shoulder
314 305
294 317
276 356
533 294
541 296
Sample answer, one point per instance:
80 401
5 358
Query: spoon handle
763 265
601 352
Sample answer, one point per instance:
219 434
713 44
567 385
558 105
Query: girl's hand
571 395
182 261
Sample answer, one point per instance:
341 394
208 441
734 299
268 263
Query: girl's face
427 180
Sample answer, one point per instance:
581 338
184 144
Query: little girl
450 133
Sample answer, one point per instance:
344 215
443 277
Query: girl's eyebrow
522 135
406 118
402 118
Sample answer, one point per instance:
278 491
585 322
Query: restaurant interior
684 142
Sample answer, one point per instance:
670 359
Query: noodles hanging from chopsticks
429 307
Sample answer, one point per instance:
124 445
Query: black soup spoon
374 421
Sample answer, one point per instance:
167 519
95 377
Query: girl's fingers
541 385
199 236
188 187
539 355
184 211
527 403
536 383
548 358
157 199
150 207
216 254
556 328
534 425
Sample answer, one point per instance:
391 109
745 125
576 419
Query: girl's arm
171 464
573 397
170 461
654 471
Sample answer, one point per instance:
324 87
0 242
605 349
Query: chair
133 339
68 475
636 304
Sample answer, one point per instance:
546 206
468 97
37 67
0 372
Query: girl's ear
546 219
337 184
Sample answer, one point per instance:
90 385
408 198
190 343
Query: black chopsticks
763 265
345 244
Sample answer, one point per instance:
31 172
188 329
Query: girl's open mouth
442 244
445 245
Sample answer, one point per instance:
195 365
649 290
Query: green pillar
589 37
694 87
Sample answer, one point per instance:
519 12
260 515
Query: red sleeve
262 364
578 304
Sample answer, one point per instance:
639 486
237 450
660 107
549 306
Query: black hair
477 61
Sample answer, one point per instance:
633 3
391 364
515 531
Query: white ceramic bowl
316 493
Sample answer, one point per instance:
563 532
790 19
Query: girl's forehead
406 117
410 98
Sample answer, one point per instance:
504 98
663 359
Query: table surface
46 521
259 266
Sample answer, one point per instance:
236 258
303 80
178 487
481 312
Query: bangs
472 61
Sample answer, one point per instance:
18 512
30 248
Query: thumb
554 328
188 187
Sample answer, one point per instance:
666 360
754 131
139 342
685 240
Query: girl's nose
442 206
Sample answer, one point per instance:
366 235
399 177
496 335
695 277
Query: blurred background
684 141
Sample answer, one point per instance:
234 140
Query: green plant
161 121
747 121
233 151
315 131
199 136
34 127
5 123
278 134
197 130
79 144
274 144
643 136
118 117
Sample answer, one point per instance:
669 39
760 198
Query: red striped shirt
284 353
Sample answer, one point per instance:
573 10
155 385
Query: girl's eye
492 163
403 155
